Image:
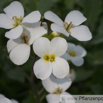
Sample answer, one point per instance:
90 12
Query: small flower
75 54
14 19
71 74
50 61
56 87
20 48
70 25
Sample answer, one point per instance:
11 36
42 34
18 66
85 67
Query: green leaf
45 5
98 38
92 11
95 58
16 74
96 88
83 74
69 4
30 98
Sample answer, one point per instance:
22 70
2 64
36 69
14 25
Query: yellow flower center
72 53
24 38
68 26
58 91
17 20
49 58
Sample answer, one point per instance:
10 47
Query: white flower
3 99
14 19
37 24
20 48
75 54
50 61
71 74
56 87
70 25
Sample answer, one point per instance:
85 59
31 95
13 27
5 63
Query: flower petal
66 56
11 44
80 51
81 33
77 61
66 100
53 98
36 33
14 33
60 67
64 83
58 46
42 69
37 24
14 9
6 22
59 29
3 99
20 54
71 47
76 17
50 84
41 46
14 101
49 15
32 17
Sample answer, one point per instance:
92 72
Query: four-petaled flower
14 19
75 54
20 48
56 87
50 61
70 25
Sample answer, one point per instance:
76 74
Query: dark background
89 80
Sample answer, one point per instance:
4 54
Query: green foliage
14 83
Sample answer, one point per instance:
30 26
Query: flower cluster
55 54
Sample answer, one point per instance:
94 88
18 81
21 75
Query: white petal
64 83
11 44
80 51
66 56
42 69
3 99
41 46
37 24
53 98
77 61
36 33
76 17
81 33
60 67
14 101
20 54
6 22
50 84
49 15
71 47
14 9
65 97
32 17
14 33
58 46
59 29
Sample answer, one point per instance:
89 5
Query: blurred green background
89 80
